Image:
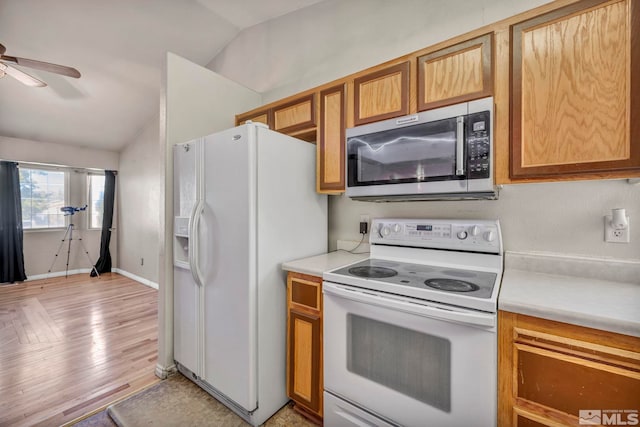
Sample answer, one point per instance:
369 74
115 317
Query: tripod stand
69 232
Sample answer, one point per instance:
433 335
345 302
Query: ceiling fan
21 76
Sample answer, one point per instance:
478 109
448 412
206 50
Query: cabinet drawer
550 371
583 384
305 291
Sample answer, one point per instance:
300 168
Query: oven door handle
484 320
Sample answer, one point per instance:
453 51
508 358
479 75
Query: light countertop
316 265
531 285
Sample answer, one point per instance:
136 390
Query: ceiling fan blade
22 77
45 66
2 49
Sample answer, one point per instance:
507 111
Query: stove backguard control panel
476 235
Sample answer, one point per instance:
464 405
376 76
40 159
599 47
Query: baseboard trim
163 372
139 279
131 276
57 274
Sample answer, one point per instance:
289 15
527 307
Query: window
96 200
42 193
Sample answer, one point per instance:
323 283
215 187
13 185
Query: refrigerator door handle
194 243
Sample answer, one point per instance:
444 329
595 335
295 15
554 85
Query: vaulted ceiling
119 47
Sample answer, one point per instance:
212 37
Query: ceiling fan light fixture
39 65
21 76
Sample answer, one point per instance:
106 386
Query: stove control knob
396 228
462 235
385 231
489 236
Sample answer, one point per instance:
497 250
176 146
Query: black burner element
372 272
451 285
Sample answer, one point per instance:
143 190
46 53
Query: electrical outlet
364 224
613 235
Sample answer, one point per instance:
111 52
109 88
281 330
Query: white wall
139 231
41 246
195 102
564 218
59 154
334 38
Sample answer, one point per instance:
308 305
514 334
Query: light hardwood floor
70 346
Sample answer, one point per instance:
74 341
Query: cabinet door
304 342
331 149
263 116
551 372
574 71
296 115
462 72
382 94
303 384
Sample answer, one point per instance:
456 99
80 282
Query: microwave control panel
478 145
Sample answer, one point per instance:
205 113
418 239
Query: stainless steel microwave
444 153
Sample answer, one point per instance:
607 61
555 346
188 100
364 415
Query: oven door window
413 363
418 153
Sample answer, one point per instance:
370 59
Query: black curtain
11 255
103 265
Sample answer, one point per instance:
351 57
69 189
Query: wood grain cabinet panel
296 115
459 73
382 94
549 371
331 141
574 71
263 116
304 343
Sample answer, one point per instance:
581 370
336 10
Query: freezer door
228 265
186 292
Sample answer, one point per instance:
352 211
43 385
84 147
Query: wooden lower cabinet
304 344
550 371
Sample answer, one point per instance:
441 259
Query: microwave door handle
460 169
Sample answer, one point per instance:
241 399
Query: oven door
409 363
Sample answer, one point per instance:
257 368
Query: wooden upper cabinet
382 94
575 108
296 115
459 73
263 116
331 141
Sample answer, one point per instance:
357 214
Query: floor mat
179 402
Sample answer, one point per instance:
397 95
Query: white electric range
410 333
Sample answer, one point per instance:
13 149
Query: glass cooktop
476 284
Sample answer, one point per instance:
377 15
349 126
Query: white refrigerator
244 202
